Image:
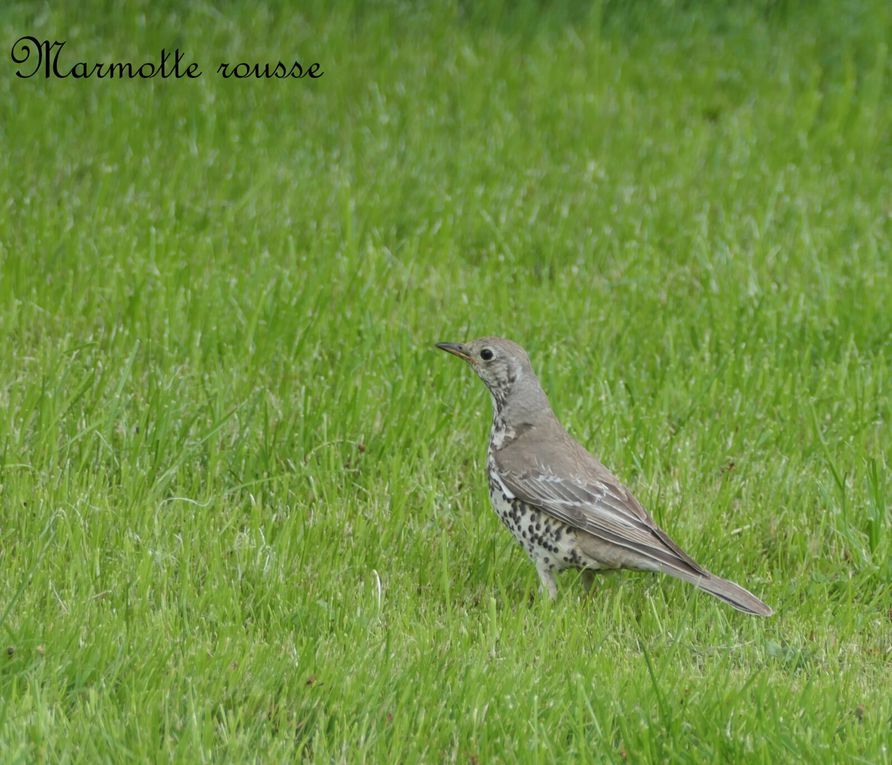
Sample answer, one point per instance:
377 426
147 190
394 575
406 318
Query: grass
242 507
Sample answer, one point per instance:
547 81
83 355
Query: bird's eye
486 354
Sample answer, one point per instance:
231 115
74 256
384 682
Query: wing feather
603 509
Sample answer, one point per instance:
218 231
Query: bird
562 505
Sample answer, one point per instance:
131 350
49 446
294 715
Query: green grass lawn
243 513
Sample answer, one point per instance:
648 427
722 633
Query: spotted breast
550 543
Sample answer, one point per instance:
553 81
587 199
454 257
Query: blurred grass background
242 507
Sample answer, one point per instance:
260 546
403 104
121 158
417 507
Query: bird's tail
733 594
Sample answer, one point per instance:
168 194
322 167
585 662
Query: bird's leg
546 577
588 579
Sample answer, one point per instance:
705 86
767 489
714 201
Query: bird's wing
603 508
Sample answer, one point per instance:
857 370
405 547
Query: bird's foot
548 583
589 579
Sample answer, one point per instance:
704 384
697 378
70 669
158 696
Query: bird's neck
514 414
500 432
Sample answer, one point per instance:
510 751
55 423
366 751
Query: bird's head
503 365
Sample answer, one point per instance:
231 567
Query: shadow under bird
562 505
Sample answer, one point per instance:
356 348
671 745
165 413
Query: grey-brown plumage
563 506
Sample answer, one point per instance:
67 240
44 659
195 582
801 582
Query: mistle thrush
562 505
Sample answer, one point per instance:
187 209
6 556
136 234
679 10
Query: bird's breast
500 434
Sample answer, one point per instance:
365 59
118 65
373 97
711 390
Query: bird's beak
456 349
